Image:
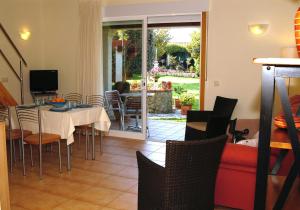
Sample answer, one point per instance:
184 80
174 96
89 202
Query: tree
150 50
161 38
173 62
173 49
131 50
194 46
133 53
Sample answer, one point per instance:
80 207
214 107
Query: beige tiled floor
107 183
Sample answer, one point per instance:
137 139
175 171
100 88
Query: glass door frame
129 134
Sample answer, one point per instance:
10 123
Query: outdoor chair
12 135
133 108
31 117
115 106
187 182
94 100
209 124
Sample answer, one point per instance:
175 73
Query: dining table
63 123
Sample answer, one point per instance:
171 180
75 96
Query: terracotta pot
185 108
169 85
177 103
297 30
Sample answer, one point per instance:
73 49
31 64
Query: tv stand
48 95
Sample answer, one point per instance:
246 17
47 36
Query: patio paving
162 130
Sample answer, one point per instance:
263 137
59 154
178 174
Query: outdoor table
135 94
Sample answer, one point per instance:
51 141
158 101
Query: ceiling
122 2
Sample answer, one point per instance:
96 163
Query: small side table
274 72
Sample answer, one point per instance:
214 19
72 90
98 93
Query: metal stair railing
22 61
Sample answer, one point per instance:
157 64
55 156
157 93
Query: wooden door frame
4 186
203 57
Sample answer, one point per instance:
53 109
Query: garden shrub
173 49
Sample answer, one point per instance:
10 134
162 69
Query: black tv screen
43 80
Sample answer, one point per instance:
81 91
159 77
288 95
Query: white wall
53 43
231 48
61 38
160 8
14 15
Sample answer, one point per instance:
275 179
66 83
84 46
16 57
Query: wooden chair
187 182
32 116
94 100
12 135
209 124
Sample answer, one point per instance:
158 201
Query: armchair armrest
198 116
150 183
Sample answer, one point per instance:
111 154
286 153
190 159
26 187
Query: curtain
89 47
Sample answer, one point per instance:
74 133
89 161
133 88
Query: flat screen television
43 80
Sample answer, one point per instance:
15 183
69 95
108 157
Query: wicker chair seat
16 134
46 138
197 125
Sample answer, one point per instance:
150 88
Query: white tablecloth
63 123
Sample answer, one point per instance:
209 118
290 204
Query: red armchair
235 185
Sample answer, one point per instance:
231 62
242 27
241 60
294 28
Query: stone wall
160 101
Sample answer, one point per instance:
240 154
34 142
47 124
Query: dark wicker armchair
188 180
209 124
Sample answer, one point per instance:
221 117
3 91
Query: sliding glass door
124 58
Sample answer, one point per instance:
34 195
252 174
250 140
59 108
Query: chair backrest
114 103
220 117
217 125
134 103
73 97
29 116
95 100
3 113
224 106
191 170
113 99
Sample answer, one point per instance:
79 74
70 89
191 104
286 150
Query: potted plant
187 100
156 77
178 90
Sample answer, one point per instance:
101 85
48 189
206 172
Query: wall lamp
25 34
258 28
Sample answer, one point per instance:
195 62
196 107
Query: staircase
5 96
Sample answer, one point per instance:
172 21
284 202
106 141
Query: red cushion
235 185
240 155
235 189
